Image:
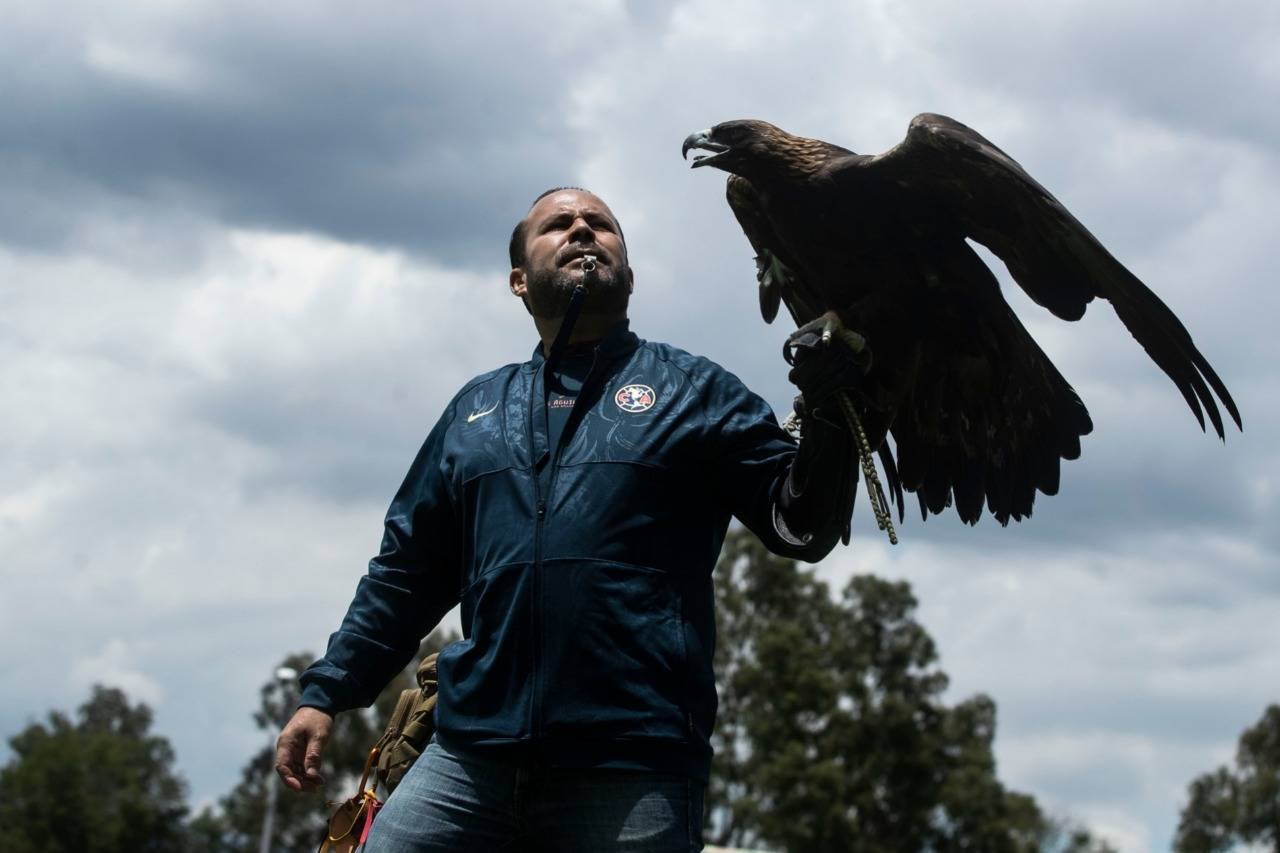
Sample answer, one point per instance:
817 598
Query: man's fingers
288 778
291 760
295 779
299 747
311 767
311 762
288 750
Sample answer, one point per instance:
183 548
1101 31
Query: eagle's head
751 148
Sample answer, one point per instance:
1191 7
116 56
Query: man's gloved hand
821 368
815 502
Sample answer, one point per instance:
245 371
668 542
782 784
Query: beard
549 291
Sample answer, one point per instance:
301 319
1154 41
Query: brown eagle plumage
978 413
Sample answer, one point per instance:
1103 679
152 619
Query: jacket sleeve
410 586
753 458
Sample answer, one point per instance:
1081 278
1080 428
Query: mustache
572 253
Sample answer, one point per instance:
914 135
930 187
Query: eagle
874 251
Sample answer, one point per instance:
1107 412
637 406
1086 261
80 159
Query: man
575 505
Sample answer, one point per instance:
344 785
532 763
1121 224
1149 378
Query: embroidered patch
635 398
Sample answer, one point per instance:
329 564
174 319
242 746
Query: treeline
832 736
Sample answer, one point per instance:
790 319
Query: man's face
560 229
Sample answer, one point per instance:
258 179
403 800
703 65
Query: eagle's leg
770 271
773 276
829 326
818 334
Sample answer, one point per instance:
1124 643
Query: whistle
588 264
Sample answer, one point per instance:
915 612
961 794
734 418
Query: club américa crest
635 398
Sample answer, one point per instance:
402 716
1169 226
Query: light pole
285 677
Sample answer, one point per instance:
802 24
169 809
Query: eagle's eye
731 134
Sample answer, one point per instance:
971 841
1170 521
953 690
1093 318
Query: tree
832 734
104 784
300 818
1240 805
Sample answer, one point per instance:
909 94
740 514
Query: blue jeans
448 802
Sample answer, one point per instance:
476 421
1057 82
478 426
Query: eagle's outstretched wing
982 415
957 176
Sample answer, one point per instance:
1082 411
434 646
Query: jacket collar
619 340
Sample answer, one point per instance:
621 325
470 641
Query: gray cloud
1186 67
407 128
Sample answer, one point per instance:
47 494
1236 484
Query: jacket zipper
540 513
535 726
535 711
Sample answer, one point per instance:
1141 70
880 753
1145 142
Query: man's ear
631 280
519 284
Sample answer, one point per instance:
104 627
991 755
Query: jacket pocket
614 654
485 684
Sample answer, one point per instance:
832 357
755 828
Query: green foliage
300 818
1227 806
103 784
832 735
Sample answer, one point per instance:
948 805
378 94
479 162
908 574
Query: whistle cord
571 313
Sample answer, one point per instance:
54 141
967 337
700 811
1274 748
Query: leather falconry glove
815 503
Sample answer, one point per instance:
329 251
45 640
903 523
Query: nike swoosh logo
477 415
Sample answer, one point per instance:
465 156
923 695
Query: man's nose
581 232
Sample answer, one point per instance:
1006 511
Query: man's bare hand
299 747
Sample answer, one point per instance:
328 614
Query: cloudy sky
247 255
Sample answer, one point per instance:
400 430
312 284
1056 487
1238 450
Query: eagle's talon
770 270
762 265
829 327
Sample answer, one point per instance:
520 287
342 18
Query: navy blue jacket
587 604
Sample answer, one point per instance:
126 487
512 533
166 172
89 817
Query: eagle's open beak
702 140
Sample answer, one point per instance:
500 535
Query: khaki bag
412 724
